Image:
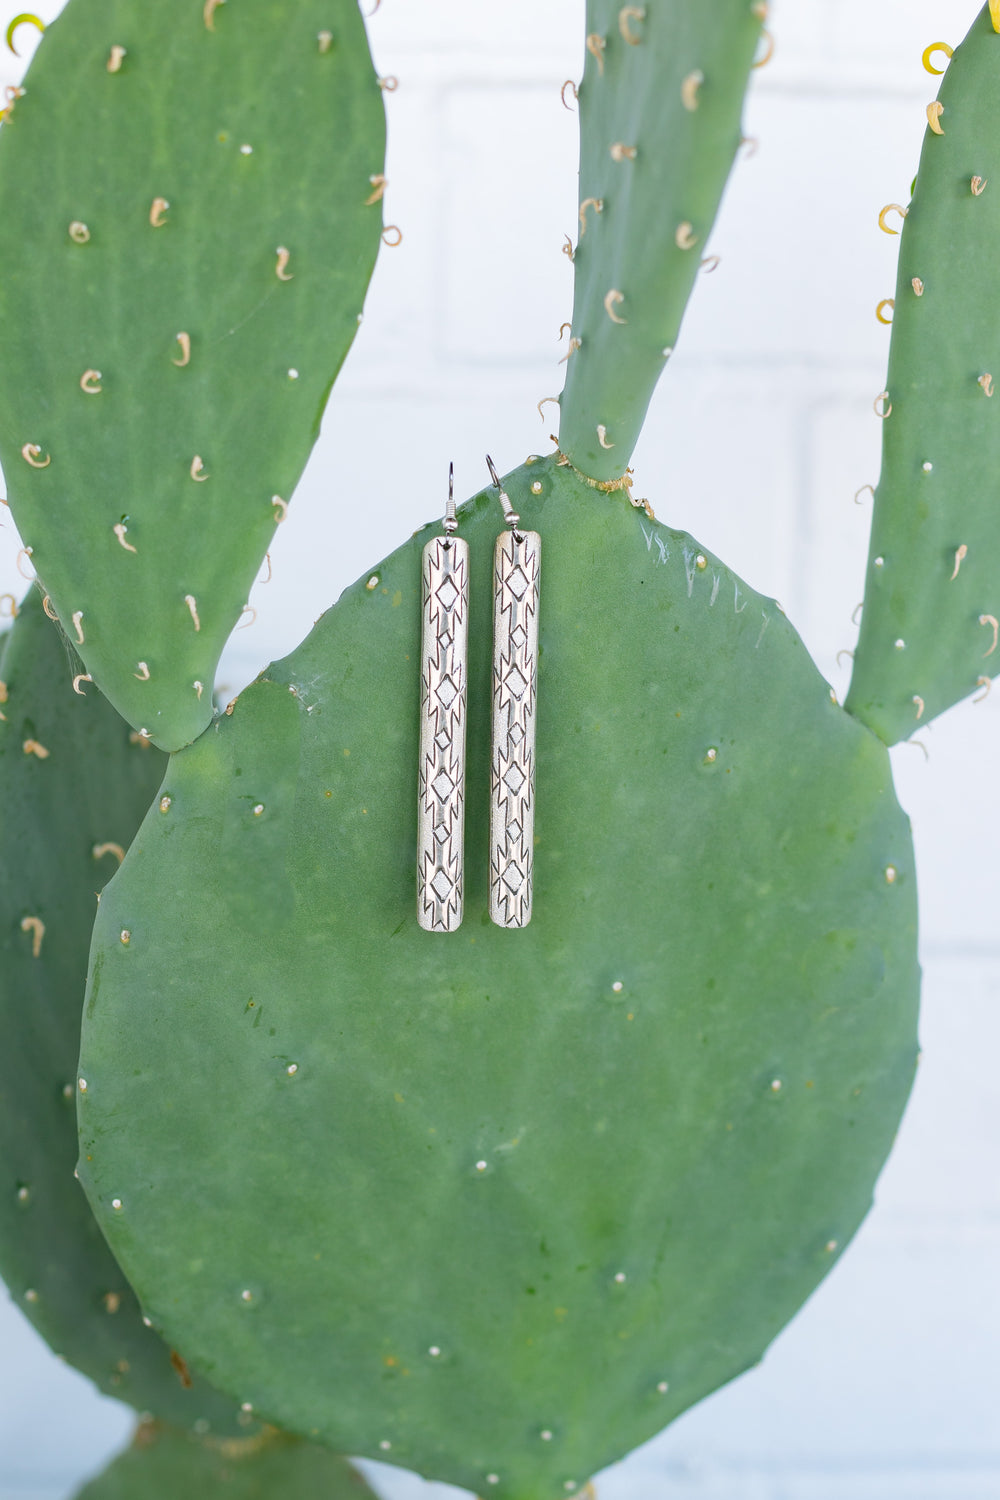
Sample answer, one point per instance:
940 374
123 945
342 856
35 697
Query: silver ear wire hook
510 514
450 518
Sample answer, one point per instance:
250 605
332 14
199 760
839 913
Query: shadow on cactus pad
74 786
499 1205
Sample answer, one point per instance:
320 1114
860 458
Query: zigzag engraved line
516 577
441 804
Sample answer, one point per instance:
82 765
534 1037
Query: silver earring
516 565
443 702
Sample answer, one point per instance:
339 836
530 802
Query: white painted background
886 1387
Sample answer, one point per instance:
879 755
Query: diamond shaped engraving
442 833
518 584
515 734
441 886
447 594
515 683
514 779
442 785
513 833
447 692
513 879
519 638
442 739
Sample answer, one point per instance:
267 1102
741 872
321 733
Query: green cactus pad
660 107
929 631
80 789
222 184
504 1203
166 1465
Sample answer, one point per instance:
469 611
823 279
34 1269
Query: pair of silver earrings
443 710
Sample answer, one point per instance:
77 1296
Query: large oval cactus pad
931 621
73 790
178 288
165 1465
503 1203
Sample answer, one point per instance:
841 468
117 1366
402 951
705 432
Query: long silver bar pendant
443 694
516 567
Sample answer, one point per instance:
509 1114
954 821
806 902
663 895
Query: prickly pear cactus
162 1464
929 631
478 1220
73 790
467 1203
655 73
179 284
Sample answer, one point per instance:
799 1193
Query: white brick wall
886 1386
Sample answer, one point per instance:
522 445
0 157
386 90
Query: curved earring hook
510 514
450 518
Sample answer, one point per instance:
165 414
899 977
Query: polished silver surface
443 692
516 565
